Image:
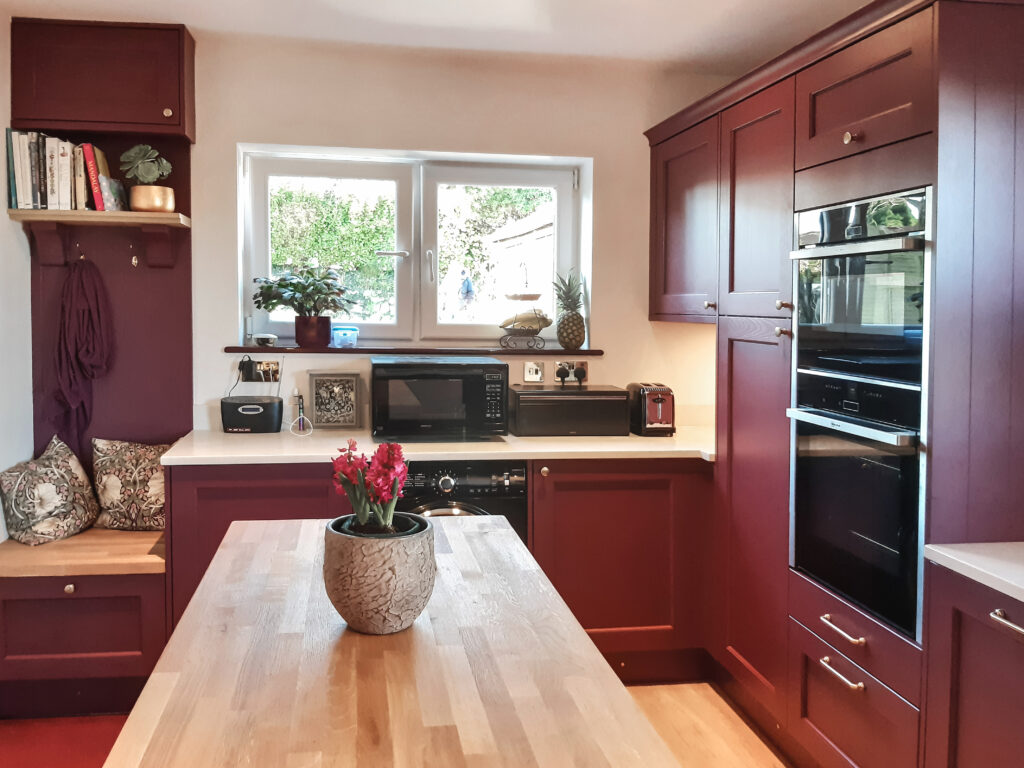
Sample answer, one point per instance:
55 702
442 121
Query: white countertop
201 447
998 565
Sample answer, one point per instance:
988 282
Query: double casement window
429 249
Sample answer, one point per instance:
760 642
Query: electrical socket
259 370
570 365
533 372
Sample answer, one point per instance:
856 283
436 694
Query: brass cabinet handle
69 589
849 138
826 619
168 112
709 305
999 616
544 471
780 304
783 332
824 661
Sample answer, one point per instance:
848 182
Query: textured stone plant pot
312 331
380 584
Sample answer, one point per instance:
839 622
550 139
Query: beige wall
288 92
15 347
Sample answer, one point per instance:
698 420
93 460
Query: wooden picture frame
333 400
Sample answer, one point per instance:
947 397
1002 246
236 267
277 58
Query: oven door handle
894 436
859 248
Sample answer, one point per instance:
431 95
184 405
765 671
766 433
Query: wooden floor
701 729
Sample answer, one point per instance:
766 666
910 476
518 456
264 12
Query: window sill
382 350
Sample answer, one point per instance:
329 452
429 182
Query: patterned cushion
49 498
130 485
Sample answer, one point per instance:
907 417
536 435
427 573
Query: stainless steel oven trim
861 379
899 438
860 247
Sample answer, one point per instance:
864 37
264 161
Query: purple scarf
85 349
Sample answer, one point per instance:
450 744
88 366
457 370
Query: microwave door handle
900 438
860 248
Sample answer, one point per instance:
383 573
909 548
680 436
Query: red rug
58 742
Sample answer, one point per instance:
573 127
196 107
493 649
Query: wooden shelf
468 351
102 218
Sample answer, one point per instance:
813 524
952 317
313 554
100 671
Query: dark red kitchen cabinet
81 626
622 542
756 205
684 225
207 499
877 91
975 702
842 715
751 531
81 76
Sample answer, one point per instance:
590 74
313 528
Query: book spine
81 181
24 182
51 145
94 176
65 191
33 167
12 182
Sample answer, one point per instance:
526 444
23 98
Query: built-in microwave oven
438 398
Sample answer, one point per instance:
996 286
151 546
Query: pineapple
569 297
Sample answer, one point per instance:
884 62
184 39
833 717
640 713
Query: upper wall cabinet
684 225
756 205
118 78
875 92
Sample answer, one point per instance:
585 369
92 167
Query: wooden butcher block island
261 671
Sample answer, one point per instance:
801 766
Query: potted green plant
313 293
379 565
142 166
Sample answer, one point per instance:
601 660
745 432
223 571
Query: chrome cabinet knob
780 304
69 589
783 332
544 471
168 112
709 305
850 137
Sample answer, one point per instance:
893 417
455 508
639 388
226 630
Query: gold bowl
152 199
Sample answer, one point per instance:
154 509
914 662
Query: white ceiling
727 36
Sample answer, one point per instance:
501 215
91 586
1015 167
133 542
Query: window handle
430 262
394 254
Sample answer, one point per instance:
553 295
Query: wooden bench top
94 552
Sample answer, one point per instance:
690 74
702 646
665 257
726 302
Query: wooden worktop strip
261 671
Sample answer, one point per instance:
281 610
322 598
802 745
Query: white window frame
562 180
257 246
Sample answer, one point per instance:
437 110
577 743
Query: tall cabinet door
756 205
752 518
684 232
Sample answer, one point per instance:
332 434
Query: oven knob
446 483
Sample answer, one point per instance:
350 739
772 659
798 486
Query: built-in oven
862 286
438 398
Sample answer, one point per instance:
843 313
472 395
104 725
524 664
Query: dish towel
85 349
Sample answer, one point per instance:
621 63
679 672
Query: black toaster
251 413
651 409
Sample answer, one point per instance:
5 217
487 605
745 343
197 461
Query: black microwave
438 398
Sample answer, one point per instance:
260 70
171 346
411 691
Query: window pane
494 242
340 223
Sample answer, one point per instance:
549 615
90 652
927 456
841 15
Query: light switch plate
533 372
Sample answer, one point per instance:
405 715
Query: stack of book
45 172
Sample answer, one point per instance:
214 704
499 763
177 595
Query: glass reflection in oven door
856 520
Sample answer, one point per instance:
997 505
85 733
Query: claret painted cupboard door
684 225
756 205
751 531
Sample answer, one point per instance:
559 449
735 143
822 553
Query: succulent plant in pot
313 293
379 565
142 167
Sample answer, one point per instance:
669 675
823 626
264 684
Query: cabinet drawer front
842 715
879 90
73 627
884 653
121 74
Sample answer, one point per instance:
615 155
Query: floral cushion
130 485
48 498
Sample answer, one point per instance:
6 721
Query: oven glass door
856 519
862 314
